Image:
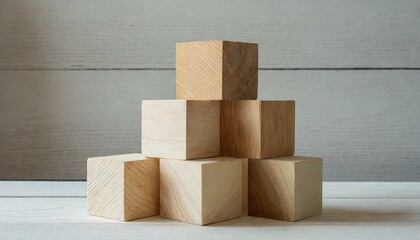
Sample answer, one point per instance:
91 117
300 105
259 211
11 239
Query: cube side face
105 194
203 129
141 189
240 70
271 185
164 128
199 70
222 190
240 128
245 187
308 188
277 129
180 191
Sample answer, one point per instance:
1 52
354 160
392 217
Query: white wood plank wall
73 74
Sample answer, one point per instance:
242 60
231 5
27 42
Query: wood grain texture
123 187
364 124
257 129
142 34
180 129
245 187
216 70
286 188
201 191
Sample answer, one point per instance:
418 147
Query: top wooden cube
216 70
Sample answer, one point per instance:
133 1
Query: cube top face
180 129
201 191
216 70
123 187
120 158
257 129
205 161
286 188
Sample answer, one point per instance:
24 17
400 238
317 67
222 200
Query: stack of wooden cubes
214 154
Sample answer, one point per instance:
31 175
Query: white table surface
352 210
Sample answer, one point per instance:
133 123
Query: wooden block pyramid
213 154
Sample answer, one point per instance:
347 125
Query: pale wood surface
286 188
245 186
123 187
351 211
216 70
180 129
257 129
142 34
52 121
336 190
201 191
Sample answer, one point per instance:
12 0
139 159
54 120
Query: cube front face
286 188
222 190
271 189
123 187
180 129
203 129
257 129
199 70
240 129
277 128
180 191
105 188
141 188
216 70
308 187
201 191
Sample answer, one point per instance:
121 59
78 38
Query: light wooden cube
286 188
257 129
201 191
216 70
180 129
123 187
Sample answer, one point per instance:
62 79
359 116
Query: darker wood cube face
257 129
240 70
216 70
285 188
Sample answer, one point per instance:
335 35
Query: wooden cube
201 191
216 70
123 187
180 129
286 188
257 129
